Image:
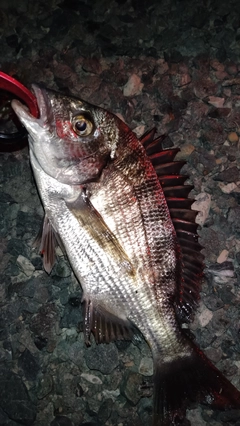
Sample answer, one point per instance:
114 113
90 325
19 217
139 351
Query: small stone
130 387
103 358
61 421
186 151
27 362
223 256
230 187
205 317
105 411
139 130
25 265
45 386
233 137
231 82
133 86
214 354
232 174
202 205
146 366
195 417
216 101
15 400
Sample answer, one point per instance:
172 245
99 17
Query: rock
45 386
186 151
28 363
25 265
105 411
103 358
91 378
146 366
61 421
205 317
214 354
215 101
231 82
43 325
233 137
223 256
195 418
202 205
133 86
15 400
220 322
130 387
230 187
231 174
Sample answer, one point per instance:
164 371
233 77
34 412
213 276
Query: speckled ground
170 64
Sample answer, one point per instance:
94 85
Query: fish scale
119 207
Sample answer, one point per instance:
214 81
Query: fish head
72 140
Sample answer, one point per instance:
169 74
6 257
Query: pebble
25 265
91 378
215 101
223 256
233 137
202 205
146 366
133 86
205 317
229 187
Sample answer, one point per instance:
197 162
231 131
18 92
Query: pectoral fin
93 222
47 241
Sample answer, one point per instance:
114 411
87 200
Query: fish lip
44 104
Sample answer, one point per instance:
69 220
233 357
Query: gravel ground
170 64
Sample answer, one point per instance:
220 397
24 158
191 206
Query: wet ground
172 65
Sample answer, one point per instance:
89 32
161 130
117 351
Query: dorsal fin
176 193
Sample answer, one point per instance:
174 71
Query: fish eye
82 125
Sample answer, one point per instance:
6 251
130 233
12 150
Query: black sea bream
119 207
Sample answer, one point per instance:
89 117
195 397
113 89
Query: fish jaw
63 154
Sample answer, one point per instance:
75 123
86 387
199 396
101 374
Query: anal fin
104 325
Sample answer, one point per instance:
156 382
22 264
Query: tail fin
189 379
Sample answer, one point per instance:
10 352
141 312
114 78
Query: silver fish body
103 200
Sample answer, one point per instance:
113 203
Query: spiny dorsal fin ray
176 193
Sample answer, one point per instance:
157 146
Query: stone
215 101
231 174
202 205
205 317
61 421
133 87
103 358
28 363
146 366
15 400
25 265
130 387
91 378
233 137
230 187
105 411
223 256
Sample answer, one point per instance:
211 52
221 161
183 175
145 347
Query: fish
120 208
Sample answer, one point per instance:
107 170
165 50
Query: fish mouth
44 106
